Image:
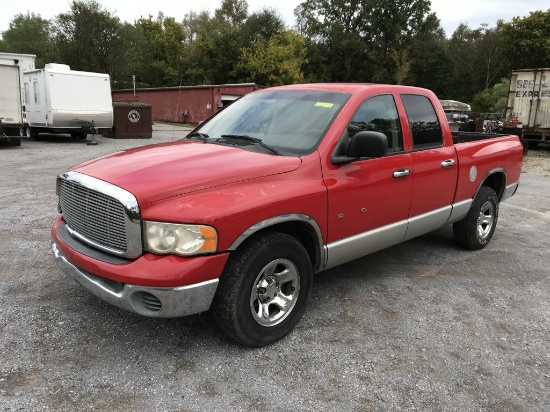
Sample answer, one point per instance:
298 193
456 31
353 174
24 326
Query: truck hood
156 172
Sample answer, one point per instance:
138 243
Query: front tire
264 289
476 229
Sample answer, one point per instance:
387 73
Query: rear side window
379 114
425 127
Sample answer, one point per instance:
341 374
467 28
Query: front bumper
163 302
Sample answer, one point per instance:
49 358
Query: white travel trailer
12 114
61 100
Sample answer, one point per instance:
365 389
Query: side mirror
368 144
363 144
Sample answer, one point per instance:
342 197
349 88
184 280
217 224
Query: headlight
167 238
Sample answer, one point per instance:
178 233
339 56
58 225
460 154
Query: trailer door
35 99
10 95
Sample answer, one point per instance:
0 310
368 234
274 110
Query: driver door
369 200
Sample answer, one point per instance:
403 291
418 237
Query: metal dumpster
131 121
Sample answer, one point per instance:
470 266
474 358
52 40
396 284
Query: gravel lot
420 326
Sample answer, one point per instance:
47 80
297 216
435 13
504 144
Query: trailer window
423 122
36 92
27 93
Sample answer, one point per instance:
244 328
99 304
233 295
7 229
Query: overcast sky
450 12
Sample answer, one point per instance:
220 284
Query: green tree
225 40
431 64
261 26
163 50
390 30
479 59
131 58
198 48
463 76
527 40
31 34
493 99
213 44
493 59
361 40
275 61
233 12
88 38
335 41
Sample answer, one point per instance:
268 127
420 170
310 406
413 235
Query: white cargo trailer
529 104
12 114
61 100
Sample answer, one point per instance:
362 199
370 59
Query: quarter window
425 127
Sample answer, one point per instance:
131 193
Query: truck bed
465 137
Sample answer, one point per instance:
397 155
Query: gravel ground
420 326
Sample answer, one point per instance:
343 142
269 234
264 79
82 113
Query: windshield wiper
201 136
250 139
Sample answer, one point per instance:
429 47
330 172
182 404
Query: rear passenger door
434 167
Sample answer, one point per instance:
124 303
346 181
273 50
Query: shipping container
529 104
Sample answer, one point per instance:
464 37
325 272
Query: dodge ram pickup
285 182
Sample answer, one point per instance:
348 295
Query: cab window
423 121
379 114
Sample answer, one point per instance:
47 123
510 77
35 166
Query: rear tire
476 229
264 289
31 133
79 135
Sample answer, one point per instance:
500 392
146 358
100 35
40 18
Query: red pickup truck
283 183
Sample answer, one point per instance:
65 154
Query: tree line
381 41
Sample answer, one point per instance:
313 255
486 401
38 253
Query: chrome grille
100 214
93 215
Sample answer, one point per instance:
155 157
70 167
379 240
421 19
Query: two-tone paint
338 211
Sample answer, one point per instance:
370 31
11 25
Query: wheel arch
302 227
495 179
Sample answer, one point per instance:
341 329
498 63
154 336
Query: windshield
290 121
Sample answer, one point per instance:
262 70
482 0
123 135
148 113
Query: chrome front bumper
162 302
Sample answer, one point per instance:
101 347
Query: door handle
401 173
447 163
